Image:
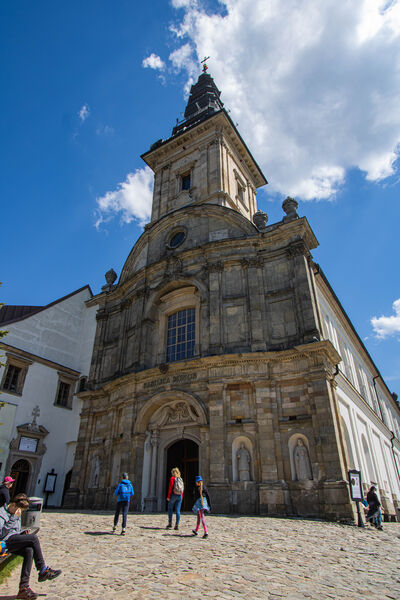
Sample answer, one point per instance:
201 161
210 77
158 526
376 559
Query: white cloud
313 85
387 326
84 113
105 130
131 199
153 62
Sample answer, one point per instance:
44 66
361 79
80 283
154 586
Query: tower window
185 182
181 335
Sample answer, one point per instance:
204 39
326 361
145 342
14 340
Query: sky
313 88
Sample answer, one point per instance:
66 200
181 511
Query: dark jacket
124 491
373 500
196 494
4 495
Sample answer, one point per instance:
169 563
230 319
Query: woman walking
201 505
174 497
124 493
374 513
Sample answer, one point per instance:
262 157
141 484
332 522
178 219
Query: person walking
4 490
201 505
374 514
124 492
175 497
24 544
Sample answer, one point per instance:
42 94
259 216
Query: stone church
212 351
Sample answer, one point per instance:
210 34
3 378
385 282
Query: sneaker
49 573
380 528
176 527
205 535
123 532
114 529
169 526
194 532
25 593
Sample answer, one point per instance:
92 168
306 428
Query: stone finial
290 206
110 276
260 219
33 425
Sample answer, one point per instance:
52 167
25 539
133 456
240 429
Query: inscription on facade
182 378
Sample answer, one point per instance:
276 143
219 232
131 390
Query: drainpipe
377 397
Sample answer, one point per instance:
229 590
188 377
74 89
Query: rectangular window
63 394
181 335
185 182
11 379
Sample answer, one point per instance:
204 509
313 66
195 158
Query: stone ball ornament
260 219
290 206
110 277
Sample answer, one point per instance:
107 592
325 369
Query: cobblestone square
243 557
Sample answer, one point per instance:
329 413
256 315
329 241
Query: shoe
169 526
205 535
49 573
114 529
176 527
123 532
25 593
194 532
380 528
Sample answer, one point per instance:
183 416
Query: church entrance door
184 455
20 472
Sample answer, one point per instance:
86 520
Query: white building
369 414
47 355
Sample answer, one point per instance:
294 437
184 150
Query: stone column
256 302
151 500
217 481
215 307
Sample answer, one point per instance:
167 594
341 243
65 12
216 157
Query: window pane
11 379
181 335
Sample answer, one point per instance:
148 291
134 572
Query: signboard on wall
355 485
28 444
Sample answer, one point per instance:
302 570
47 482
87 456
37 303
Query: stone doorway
20 472
184 455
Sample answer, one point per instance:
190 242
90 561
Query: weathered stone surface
247 557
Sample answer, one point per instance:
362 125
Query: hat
8 480
198 478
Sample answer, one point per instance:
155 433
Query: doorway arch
20 472
183 454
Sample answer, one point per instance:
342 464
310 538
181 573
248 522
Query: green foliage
8 565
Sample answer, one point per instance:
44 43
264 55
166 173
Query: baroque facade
211 351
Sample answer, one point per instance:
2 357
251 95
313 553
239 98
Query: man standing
124 492
4 493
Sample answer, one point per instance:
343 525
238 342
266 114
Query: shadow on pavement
144 527
96 533
179 535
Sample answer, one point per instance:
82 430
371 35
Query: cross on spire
203 62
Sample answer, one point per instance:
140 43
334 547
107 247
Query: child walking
201 505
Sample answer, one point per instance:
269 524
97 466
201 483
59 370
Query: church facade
212 351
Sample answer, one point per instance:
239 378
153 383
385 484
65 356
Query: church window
181 335
177 239
185 181
14 374
11 378
65 389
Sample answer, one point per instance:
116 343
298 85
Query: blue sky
314 89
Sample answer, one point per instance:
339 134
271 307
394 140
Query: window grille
181 335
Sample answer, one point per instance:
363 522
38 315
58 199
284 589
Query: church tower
205 160
208 352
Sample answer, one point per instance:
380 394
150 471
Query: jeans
27 546
375 516
122 505
175 501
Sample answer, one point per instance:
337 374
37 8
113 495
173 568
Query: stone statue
302 461
243 458
290 206
94 472
260 219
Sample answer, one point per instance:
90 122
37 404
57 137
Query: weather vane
203 62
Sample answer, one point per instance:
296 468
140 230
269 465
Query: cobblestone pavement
243 557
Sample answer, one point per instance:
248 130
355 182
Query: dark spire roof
203 101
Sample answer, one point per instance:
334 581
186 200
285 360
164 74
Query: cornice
38 359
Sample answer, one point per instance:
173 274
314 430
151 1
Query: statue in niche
302 461
94 472
243 458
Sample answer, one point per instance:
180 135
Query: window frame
173 302
17 362
184 326
65 379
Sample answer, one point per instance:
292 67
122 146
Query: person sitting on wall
24 544
4 493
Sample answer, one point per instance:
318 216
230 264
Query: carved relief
175 413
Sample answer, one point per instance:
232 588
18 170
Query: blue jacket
124 491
